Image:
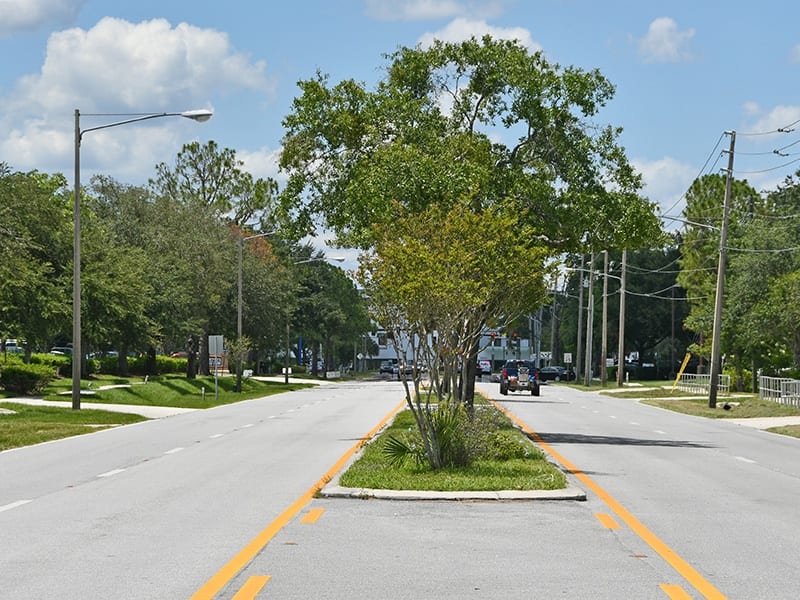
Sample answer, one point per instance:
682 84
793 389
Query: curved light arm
199 115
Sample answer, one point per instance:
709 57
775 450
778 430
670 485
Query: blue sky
685 72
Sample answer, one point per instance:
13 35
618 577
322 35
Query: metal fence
701 384
779 389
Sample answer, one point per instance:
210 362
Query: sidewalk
151 412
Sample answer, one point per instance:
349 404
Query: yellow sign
680 371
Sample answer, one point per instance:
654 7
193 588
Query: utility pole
589 326
604 338
621 347
723 252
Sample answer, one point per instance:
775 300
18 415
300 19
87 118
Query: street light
201 116
242 240
288 345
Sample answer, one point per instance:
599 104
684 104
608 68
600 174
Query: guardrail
779 389
701 384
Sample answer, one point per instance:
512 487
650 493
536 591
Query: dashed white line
16 504
743 459
612 416
246 426
634 423
111 473
215 436
174 450
659 432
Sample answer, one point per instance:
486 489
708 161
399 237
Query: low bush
26 379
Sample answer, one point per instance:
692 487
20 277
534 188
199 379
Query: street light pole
242 240
77 353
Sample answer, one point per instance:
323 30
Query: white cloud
262 163
663 42
120 67
462 29
666 180
780 117
26 15
423 10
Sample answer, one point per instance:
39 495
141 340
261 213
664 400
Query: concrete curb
336 491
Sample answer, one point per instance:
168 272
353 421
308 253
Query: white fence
779 389
700 384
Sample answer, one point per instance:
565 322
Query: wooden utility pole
716 366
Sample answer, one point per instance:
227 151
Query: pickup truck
519 375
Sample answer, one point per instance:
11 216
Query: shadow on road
577 438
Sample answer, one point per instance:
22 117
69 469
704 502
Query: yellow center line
700 583
607 521
248 553
312 516
250 589
675 592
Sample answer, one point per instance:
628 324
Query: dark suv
518 375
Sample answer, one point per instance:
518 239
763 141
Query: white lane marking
612 416
111 473
634 423
743 459
13 505
174 450
659 431
272 417
215 436
246 426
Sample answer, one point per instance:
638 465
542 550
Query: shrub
26 379
61 363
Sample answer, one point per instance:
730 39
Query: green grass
35 424
740 406
511 462
171 390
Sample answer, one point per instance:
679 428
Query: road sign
568 357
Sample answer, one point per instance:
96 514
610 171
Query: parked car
408 368
556 373
63 350
484 368
14 346
519 375
387 367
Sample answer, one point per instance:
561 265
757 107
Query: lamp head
200 115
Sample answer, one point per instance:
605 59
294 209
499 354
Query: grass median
507 460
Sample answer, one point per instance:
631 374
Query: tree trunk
122 360
191 361
204 367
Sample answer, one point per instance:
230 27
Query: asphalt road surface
220 504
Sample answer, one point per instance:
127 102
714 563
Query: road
211 504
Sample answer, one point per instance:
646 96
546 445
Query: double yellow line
700 583
249 552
